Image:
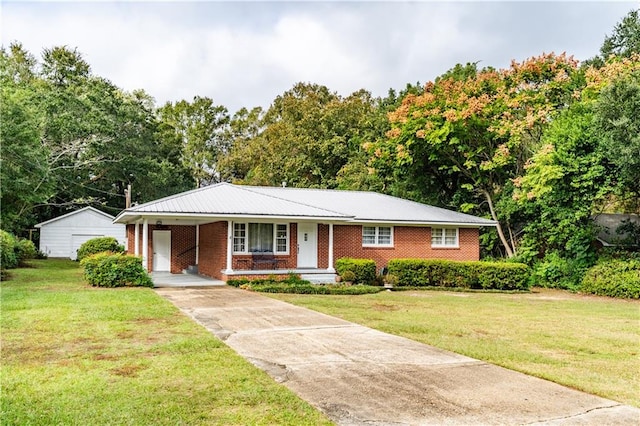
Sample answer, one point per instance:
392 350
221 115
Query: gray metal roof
227 200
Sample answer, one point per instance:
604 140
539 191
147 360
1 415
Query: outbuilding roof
228 200
73 213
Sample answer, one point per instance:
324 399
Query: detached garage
63 235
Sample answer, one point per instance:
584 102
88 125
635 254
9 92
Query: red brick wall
408 241
131 239
323 245
213 249
183 243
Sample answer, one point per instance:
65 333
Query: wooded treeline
540 146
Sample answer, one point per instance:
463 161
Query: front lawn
585 342
74 354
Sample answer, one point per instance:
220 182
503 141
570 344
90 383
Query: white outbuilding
62 236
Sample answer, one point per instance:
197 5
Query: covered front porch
226 249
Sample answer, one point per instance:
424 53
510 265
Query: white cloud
245 54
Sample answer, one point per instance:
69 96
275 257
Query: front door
162 251
307 245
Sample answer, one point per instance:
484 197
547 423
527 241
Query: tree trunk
503 239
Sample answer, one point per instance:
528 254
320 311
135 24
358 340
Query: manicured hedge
107 269
98 245
448 273
364 270
614 278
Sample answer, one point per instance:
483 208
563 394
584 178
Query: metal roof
84 209
228 200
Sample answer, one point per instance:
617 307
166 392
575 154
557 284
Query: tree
617 122
202 127
471 131
625 39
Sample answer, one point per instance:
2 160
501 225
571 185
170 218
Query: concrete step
325 278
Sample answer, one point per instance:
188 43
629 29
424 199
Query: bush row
15 251
358 271
108 269
99 245
614 278
335 289
448 273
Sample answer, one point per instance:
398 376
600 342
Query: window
444 237
377 236
260 237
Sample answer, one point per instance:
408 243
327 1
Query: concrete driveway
360 376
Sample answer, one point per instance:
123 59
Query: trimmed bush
25 250
335 289
8 256
614 278
364 270
107 269
471 275
98 245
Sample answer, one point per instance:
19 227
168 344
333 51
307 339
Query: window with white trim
380 236
444 237
261 237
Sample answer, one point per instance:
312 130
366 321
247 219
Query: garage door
77 240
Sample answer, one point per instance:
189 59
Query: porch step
325 278
191 269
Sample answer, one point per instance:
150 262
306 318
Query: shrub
363 269
614 278
108 269
98 245
8 256
555 271
448 273
25 250
335 289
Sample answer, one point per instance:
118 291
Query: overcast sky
246 53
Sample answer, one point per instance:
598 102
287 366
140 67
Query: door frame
310 259
154 263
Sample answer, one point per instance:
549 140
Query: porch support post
330 268
136 239
197 243
145 244
229 269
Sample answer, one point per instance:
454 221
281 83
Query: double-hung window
377 236
444 237
261 238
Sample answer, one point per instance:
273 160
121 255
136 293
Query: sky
245 53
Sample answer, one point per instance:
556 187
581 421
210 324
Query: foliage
555 271
447 273
98 245
614 278
363 270
108 269
25 250
335 289
8 242
201 128
618 125
471 131
625 39
291 279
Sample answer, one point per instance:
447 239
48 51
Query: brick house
225 231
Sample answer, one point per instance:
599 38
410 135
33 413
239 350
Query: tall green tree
471 131
203 128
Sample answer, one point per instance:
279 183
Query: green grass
585 342
74 354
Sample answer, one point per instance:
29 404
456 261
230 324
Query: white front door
162 251
307 245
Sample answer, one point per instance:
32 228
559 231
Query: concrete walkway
360 376
167 279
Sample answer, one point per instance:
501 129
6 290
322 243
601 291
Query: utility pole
127 195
